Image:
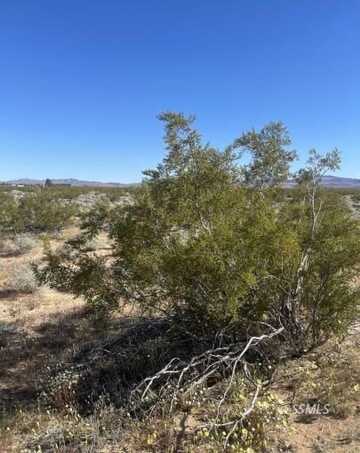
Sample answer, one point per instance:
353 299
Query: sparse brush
37 211
17 245
24 242
326 382
8 248
22 279
90 245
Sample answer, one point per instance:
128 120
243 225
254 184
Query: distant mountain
337 182
327 181
69 181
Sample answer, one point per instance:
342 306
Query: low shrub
8 248
17 245
38 211
22 279
24 243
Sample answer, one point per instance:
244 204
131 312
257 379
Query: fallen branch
181 377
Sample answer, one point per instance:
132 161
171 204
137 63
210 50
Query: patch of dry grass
328 380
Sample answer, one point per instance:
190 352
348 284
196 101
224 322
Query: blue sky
81 81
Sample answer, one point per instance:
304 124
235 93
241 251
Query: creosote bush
242 271
35 212
217 244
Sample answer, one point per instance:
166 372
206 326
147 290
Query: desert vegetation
35 212
206 308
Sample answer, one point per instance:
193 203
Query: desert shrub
8 247
9 214
17 245
42 212
226 257
35 212
22 279
24 242
213 243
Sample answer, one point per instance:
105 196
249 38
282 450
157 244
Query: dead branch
179 378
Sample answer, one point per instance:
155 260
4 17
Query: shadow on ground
25 357
10 294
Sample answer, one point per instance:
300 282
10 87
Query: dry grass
21 279
38 331
328 379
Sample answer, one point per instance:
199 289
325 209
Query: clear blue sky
81 81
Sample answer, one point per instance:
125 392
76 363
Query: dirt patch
322 392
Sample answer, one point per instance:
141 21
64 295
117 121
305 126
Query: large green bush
236 272
215 244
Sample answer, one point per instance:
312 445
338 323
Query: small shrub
9 213
90 245
22 279
8 248
18 245
24 243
